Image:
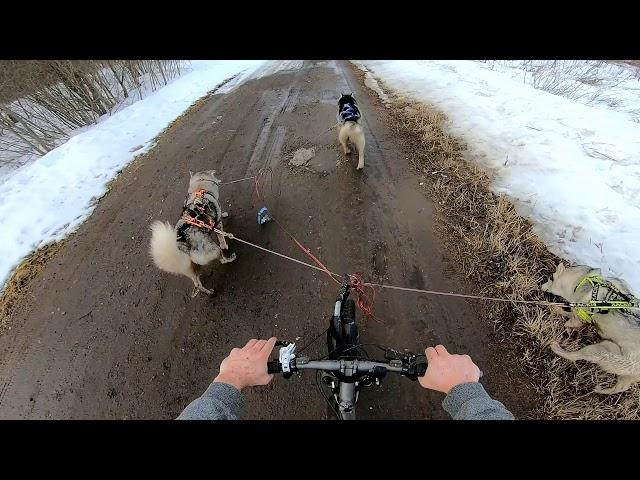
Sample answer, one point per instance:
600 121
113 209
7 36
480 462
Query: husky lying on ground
350 129
191 243
619 352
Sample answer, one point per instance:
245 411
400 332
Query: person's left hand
247 366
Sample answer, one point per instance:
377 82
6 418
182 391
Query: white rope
239 180
392 287
478 297
233 237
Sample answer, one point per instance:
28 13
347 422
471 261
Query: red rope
258 184
308 252
364 291
365 300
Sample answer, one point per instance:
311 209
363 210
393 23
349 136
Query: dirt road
104 334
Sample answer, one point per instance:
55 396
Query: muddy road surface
104 334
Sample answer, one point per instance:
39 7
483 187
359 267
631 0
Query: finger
235 350
431 353
258 345
250 344
267 348
441 350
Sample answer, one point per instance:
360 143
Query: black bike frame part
343 332
335 340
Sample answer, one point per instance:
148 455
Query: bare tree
41 102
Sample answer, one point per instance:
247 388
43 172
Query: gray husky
619 352
191 243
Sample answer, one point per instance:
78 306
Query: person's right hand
445 371
247 366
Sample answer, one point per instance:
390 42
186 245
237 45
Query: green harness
614 299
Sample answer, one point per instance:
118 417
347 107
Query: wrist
463 382
229 380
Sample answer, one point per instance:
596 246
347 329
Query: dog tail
164 250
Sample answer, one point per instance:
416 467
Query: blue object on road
263 216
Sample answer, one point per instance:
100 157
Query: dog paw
569 329
359 167
228 259
197 290
347 152
225 214
556 348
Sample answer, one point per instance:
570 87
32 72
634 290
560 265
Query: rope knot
365 300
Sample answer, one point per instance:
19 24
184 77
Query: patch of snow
572 169
51 196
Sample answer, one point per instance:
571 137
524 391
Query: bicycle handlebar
410 366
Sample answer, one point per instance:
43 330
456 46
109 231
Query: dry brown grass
24 274
499 251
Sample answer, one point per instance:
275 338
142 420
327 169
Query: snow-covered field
49 197
572 166
603 84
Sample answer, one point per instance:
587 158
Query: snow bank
572 169
48 198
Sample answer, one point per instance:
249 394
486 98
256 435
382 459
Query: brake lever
285 356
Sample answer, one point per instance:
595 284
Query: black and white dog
350 129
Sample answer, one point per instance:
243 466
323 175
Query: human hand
445 371
247 366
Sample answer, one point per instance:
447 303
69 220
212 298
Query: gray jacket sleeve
219 402
470 401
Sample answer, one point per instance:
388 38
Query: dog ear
560 268
190 174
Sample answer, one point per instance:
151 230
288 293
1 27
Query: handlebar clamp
286 355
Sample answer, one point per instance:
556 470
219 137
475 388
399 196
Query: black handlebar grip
421 366
274 367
